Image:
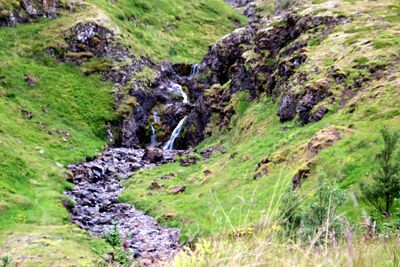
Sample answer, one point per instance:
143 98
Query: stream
98 184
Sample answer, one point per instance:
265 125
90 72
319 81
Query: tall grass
265 244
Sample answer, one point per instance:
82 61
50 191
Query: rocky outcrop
25 11
322 140
261 58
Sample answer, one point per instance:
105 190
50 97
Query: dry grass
266 249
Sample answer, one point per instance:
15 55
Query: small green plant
385 188
321 220
290 212
317 220
6 261
117 254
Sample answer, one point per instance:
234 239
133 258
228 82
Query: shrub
317 220
385 188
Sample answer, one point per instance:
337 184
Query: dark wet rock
208 152
154 185
183 69
260 58
178 189
207 172
153 154
168 176
188 160
300 176
26 114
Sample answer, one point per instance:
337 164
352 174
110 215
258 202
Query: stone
178 189
154 185
153 155
30 80
300 176
186 161
168 176
207 172
27 114
323 139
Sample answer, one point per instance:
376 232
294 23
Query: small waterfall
194 70
178 89
153 136
177 131
156 118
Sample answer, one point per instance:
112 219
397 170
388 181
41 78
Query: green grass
72 128
178 30
229 197
70 111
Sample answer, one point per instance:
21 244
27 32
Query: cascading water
169 145
178 89
194 70
177 131
153 136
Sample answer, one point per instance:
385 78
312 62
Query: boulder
167 176
153 155
178 189
300 176
325 138
188 160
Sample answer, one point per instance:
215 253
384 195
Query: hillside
228 138
53 115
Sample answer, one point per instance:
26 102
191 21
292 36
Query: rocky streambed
98 184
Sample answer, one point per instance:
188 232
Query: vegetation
52 115
61 118
386 186
117 254
222 195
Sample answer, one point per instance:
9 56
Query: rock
168 176
27 114
300 176
261 172
60 165
169 216
154 185
208 152
68 203
187 161
178 189
153 155
324 138
30 80
207 172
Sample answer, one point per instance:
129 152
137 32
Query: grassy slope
30 181
34 226
229 197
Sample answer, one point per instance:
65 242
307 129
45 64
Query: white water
153 136
177 131
194 70
178 89
156 117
